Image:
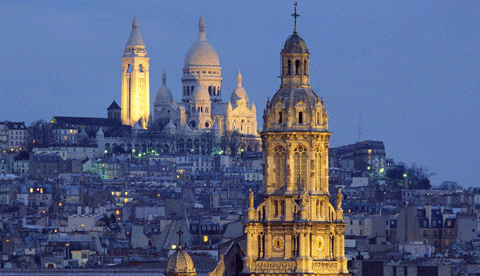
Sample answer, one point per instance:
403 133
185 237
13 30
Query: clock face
320 243
278 243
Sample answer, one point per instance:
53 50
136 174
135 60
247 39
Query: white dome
201 93
164 95
239 92
201 53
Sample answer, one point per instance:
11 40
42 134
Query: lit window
82 225
205 238
117 212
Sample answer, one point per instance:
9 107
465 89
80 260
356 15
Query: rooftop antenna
359 128
295 15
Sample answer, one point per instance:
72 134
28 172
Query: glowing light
60 204
405 175
174 246
82 225
205 238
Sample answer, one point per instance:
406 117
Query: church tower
135 80
295 230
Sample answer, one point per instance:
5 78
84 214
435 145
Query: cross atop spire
295 15
180 233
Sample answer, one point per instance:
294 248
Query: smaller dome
239 92
164 95
180 262
295 44
201 93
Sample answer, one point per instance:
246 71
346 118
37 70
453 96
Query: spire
164 79
135 38
135 22
239 79
295 15
201 28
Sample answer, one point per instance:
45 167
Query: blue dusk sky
408 71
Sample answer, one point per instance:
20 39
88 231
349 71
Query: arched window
140 68
210 90
318 163
280 117
300 168
215 90
280 168
129 68
297 67
275 205
282 208
305 67
289 67
191 89
300 117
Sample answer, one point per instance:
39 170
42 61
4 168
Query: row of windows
300 160
300 118
297 69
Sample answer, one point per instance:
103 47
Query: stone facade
295 230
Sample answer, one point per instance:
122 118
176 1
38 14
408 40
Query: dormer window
300 117
280 117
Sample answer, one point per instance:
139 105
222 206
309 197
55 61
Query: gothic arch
300 168
280 162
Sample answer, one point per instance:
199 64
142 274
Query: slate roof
85 121
114 105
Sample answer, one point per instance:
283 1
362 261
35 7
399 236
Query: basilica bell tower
135 80
295 230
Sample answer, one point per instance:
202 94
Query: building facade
295 230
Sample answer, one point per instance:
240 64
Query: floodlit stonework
135 80
295 230
201 107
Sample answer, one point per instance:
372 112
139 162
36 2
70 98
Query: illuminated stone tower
135 80
295 230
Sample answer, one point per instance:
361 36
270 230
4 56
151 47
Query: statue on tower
250 199
339 198
304 198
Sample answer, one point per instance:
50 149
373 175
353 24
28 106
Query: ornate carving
325 267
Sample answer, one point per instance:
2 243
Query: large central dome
201 53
